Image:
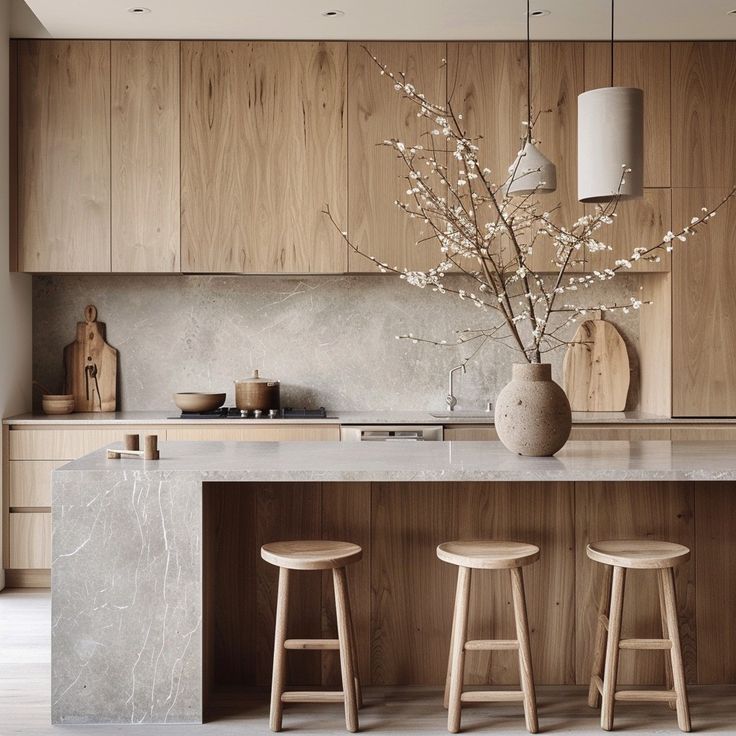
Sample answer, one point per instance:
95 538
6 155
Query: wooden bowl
197 403
57 403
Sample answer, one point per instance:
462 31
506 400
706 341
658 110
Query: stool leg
457 655
448 675
599 651
612 647
279 653
353 647
678 672
525 654
665 635
346 653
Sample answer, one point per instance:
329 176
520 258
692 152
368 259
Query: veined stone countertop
408 461
347 417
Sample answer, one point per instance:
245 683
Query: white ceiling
378 19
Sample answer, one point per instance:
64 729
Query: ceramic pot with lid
257 393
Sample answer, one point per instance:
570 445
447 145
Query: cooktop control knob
272 413
243 412
257 413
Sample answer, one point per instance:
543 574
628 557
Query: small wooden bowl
57 403
197 403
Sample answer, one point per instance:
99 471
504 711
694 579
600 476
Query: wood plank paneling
346 516
634 511
645 65
376 112
704 309
145 156
655 346
13 243
30 540
715 518
264 148
704 113
64 155
638 223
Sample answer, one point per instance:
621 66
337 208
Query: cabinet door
704 114
263 151
376 112
645 65
145 156
638 223
64 155
30 540
30 482
704 310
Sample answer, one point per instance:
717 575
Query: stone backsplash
330 340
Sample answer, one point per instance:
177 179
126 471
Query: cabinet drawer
470 434
260 433
30 482
67 444
630 433
30 540
717 434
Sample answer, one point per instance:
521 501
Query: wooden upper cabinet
704 309
64 155
145 156
263 151
645 65
376 112
704 116
639 223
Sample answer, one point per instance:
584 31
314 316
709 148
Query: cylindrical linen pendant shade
531 172
610 136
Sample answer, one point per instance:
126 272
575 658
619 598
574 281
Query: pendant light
532 172
610 137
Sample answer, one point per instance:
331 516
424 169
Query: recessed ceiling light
332 13
139 10
539 13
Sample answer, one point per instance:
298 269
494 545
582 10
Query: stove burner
233 413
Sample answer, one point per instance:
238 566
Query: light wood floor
24 700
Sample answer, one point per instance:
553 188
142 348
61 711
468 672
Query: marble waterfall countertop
415 461
347 418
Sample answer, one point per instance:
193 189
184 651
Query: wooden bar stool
618 556
511 556
315 555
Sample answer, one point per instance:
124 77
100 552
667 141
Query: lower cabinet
33 452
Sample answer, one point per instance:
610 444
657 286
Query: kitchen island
160 601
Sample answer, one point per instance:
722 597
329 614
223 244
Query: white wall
15 289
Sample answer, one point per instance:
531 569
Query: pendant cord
613 2
528 72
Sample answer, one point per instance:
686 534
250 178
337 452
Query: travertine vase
533 414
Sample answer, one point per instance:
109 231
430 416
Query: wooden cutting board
91 366
596 368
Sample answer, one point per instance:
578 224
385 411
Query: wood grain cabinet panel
30 540
645 65
64 155
30 482
260 433
376 112
704 114
145 156
704 310
263 150
638 223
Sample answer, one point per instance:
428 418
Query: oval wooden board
596 368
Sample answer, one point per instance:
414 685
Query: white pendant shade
532 172
610 136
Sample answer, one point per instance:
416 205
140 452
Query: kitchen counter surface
346 417
401 461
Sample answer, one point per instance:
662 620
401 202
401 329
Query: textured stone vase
533 414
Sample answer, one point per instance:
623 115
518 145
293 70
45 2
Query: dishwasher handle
392 433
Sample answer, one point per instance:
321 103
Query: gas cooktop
232 413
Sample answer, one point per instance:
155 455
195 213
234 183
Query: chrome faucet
451 399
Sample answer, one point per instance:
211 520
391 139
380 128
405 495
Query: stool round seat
487 555
311 554
638 554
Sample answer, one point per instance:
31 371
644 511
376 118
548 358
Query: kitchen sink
484 415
